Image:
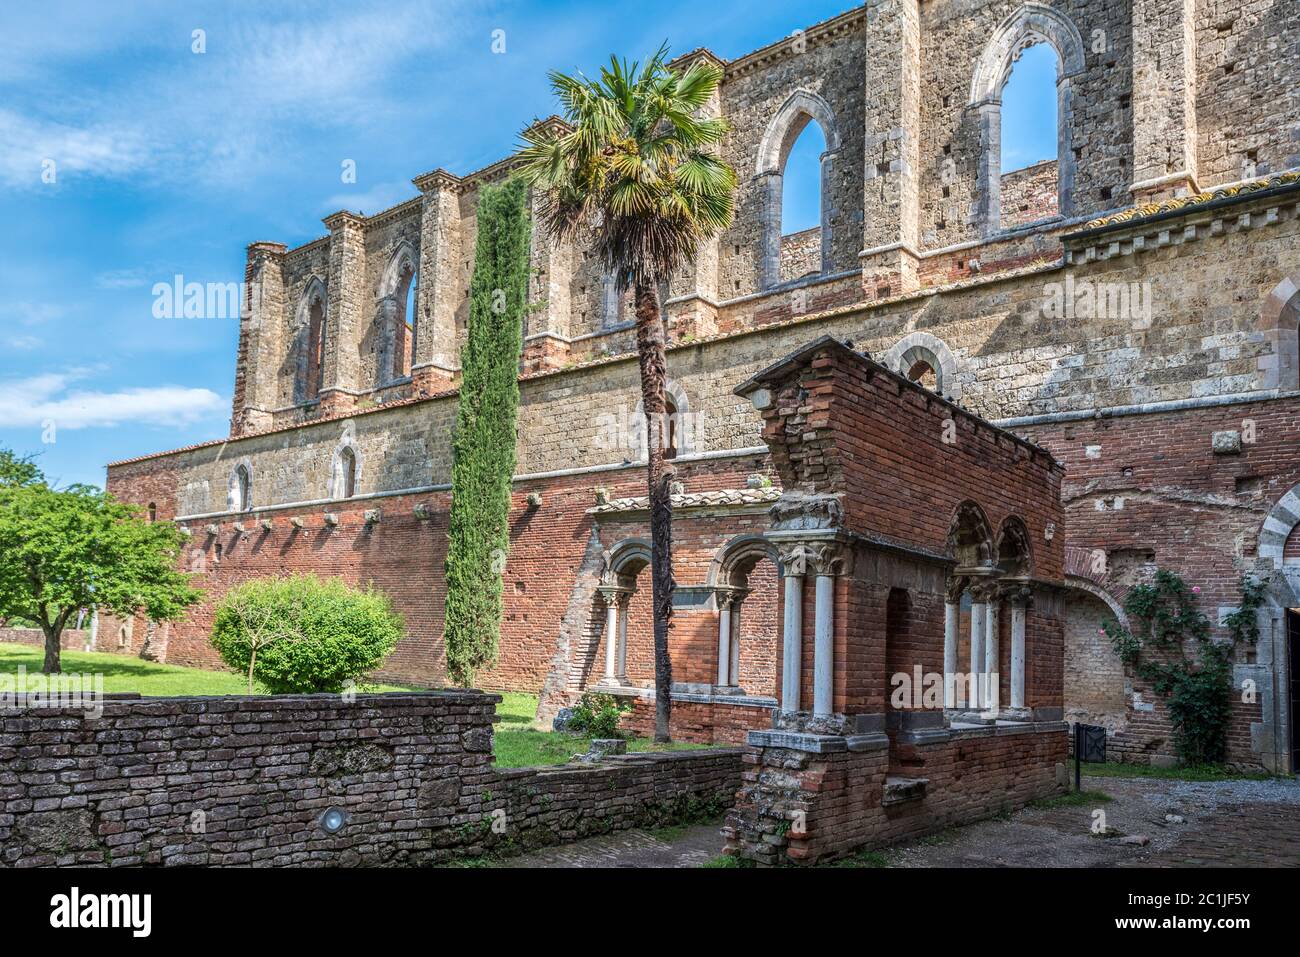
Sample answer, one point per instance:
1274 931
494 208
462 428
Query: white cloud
28 143
222 116
33 401
373 200
24 343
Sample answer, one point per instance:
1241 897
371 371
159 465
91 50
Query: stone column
824 644
724 638
792 637
978 624
263 340
1018 653
1164 99
992 656
770 187
620 666
611 634
951 634
733 672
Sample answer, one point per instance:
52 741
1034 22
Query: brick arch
1279 320
1278 525
1027 26
624 561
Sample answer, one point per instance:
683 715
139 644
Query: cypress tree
484 444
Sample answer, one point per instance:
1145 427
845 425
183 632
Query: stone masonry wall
244 781
1029 194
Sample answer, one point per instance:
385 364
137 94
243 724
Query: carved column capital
614 595
984 591
1017 593
816 558
953 589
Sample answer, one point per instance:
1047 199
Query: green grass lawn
521 745
1114 769
126 674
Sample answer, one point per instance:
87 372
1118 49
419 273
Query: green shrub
304 634
597 716
1197 687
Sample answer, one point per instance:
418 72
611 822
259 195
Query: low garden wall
72 639
249 781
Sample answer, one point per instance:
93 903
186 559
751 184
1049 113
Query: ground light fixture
333 820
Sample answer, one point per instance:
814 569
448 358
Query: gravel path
1224 824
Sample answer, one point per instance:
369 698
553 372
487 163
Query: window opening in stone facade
1029 138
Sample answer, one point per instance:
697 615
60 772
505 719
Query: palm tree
634 172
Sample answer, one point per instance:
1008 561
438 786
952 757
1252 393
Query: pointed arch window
240 498
802 254
344 472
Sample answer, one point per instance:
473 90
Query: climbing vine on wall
484 442
1171 646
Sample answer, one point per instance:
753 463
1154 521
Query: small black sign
1090 743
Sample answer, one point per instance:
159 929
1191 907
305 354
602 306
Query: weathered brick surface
243 781
802 807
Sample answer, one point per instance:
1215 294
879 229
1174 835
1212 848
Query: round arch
925 347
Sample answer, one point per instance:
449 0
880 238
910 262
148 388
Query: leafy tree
636 170
484 443
303 634
18 470
66 549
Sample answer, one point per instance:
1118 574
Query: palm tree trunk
654 374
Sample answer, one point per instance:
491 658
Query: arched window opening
670 429
1045 46
793 172
241 490
347 474
923 373
403 340
801 205
1030 138
153 512
315 348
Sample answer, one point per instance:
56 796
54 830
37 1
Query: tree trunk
53 633
654 374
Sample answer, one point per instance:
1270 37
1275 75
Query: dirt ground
1224 824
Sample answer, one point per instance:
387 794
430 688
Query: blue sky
167 161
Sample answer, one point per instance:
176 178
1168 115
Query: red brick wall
837 796
1152 485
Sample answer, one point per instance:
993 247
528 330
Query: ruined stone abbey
1090 369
